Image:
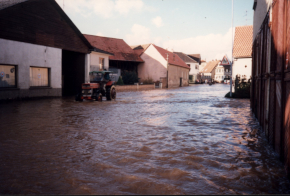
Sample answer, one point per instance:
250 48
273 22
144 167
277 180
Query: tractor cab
100 76
100 85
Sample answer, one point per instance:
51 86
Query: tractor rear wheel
111 93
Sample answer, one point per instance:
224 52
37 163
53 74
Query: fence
270 89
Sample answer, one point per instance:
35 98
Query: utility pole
167 72
231 81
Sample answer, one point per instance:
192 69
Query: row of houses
220 70
42 53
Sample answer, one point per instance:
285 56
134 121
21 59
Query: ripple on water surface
189 140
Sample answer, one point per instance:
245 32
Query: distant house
195 57
202 65
42 53
114 54
162 65
242 53
222 71
208 72
194 66
99 59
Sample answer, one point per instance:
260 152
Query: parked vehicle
100 85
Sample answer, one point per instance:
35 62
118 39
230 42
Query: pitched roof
173 59
41 22
225 60
210 66
8 3
139 49
243 41
185 58
195 57
121 50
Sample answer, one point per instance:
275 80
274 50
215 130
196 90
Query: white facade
194 70
96 63
242 67
261 10
219 73
154 66
25 55
201 66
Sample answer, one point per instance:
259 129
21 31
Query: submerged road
189 140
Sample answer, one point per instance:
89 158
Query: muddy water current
189 140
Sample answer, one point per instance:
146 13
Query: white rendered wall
201 66
239 67
219 76
154 66
193 71
95 61
260 14
25 55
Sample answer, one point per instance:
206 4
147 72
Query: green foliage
120 81
148 81
130 78
242 90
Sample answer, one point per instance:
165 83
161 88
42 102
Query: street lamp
231 81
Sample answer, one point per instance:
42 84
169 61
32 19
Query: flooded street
189 140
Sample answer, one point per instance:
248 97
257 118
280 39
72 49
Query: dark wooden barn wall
40 22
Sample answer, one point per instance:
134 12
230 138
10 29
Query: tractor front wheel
111 93
100 97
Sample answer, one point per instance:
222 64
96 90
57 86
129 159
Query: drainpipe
167 72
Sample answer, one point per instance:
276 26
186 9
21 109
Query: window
39 77
7 76
101 63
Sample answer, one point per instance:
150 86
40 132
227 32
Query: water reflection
183 141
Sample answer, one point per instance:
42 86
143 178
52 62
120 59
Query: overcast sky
189 26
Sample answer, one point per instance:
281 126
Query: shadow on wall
152 68
270 90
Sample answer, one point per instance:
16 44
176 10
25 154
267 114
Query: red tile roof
173 59
121 50
210 66
243 41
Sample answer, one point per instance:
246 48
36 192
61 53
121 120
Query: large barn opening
73 72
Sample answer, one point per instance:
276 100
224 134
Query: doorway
73 72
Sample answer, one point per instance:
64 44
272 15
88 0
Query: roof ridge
103 36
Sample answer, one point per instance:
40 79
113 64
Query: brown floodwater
189 140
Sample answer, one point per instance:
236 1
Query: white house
40 61
222 71
163 65
219 73
194 66
242 53
112 54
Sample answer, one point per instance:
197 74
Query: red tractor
100 85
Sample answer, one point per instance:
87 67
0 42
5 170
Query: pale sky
189 26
